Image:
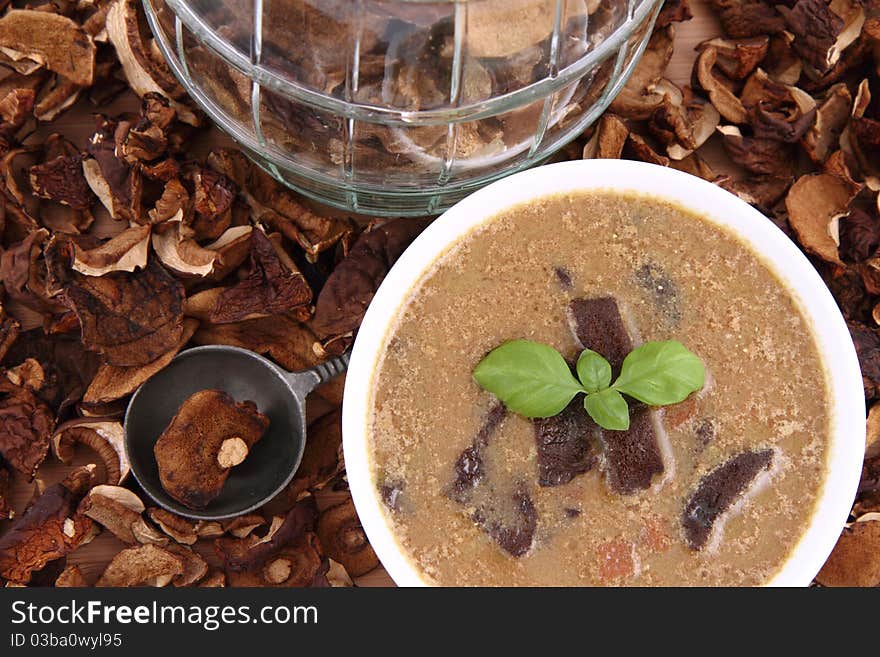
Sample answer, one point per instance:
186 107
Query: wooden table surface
78 124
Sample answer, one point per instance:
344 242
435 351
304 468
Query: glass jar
400 107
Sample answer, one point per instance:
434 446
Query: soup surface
477 495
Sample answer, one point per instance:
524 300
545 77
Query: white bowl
710 201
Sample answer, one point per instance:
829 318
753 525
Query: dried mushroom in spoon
210 434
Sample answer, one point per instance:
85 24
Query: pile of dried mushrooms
118 251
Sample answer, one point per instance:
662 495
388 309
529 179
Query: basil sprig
533 379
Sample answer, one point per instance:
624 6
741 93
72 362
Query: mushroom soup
715 490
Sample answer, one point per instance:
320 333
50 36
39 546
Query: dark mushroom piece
718 491
344 540
632 457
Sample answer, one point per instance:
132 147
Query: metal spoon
242 374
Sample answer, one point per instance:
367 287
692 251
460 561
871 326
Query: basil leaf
608 409
593 371
532 379
660 373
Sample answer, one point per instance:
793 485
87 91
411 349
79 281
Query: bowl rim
715 204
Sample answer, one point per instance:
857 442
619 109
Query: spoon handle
307 380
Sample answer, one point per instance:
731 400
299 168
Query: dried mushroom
608 139
321 460
861 137
104 437
26 425
113 180
684 123
251 552
61 179
180 529
295 565
742 19
126 251
872 433
831 118
67 366
172 205
50 40
194 566
145 74
762 191
119 510
820 34
637 148
253 549
855 560
208 435
737 58
28 374
782 62
344 540
673 11
642 93
271 284
71 577
859 237
16 106
130 318
22 270
243 526
147 565
815 204
337 576
715 85
212 200
61 95
9 330
49 529
112 382
282 338
867 343
186 257
779 112
756 155
350 288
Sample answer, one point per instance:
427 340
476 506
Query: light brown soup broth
767 389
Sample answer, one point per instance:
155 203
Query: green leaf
609 409
660 373
593 371
531 378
